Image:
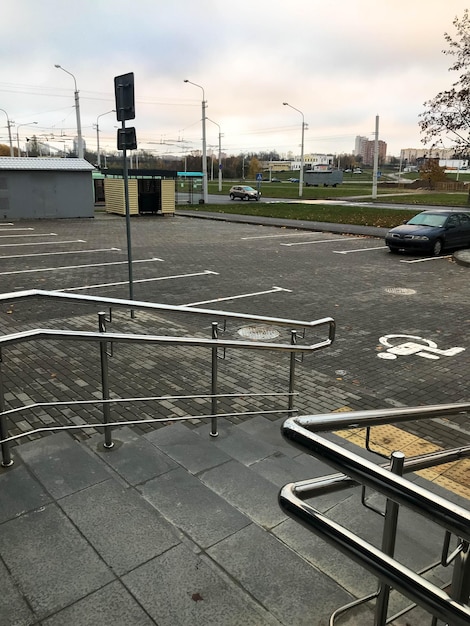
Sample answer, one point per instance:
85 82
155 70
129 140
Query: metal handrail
303 433
153 306
103 338
78 335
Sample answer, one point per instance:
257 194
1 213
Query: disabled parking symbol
411 344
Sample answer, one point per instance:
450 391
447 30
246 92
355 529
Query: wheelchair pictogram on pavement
411 344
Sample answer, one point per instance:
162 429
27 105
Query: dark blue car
431 232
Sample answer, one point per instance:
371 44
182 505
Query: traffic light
124 93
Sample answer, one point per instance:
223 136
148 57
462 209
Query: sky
339 64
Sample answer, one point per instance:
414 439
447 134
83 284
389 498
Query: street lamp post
9 132
77 111
98 134
204 155
220 154
301 177
18 135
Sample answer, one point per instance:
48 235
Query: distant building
313 161
412 155
365 148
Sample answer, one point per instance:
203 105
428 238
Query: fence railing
303 432
104 339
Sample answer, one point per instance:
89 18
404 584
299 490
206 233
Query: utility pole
376 159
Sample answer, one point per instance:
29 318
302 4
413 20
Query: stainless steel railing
304 432
104 339
18 296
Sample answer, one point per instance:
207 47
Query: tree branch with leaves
448 113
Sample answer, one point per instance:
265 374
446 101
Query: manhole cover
401 291
260 333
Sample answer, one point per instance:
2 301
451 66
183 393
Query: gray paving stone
50 560
300 595
20 492
61 465
270 432
187 448
124 529
133 457
181 589
249 492
13 606
325 558
281 469
112 605
241 446
194 508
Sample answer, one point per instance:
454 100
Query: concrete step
176 527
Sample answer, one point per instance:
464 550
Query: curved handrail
152 306
303 432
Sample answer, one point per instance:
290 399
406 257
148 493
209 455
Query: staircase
175 527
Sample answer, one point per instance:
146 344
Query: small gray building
45 188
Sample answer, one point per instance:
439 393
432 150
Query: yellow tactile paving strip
386 439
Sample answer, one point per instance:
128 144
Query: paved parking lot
402 322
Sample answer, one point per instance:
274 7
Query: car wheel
256 198
232 197
246 197
393 250
437 247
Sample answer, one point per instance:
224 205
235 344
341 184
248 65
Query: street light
77 111
9 132
301 177
98 134
18 135
220 154
204 157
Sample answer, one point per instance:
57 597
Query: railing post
108 443
460 587
7 461
293 340
388 540
214 431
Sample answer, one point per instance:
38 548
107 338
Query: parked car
276 180
244 192
431 232
293 180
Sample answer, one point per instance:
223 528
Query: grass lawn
336 214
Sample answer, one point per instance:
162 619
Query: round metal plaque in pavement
258 333
401 291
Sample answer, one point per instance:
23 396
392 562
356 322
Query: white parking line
10 229
432 258
306 243
245 295
74 267
358 250
32 235
27 256
40 243
6 224
143 280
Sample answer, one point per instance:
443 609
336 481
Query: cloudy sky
341 63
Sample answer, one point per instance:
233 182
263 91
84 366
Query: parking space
402 327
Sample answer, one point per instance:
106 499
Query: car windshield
248 188
428 219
